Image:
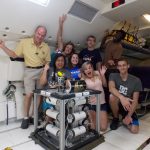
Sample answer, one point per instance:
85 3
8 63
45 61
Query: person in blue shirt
73 66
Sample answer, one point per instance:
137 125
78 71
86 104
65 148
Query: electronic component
52 129
76 116
52 101
76 131
53 114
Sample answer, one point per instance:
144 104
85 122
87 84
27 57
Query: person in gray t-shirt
57 74
124 97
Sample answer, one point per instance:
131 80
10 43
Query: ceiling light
41 2
4 35
147 17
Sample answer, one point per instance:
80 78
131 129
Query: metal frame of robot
63 97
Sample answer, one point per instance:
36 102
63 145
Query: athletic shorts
134 117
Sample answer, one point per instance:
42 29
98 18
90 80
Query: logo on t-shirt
75 71
123 90
87 58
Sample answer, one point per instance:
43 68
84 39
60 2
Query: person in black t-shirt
91 54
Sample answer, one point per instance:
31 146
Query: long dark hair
69 43
70 66
54 64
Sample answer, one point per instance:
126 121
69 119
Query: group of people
88 66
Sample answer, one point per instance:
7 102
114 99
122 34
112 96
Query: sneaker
115 123
31 121
25 123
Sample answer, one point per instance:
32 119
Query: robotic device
70 126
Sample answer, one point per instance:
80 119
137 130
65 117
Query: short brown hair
91 36
122 59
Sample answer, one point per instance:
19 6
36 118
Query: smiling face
91 43
68 49
88 70
123 67
39 35
60 62
74 59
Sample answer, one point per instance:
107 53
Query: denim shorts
103 107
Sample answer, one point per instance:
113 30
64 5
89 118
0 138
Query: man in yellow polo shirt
36 54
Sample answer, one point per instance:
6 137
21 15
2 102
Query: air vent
83 11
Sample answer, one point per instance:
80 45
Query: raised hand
62 19
102 70
2 44
111 62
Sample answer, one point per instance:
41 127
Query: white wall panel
2 111
11 71
15 71
11 109
19 100
3 75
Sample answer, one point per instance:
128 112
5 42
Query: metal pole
7 112
35 111
62 125
98 113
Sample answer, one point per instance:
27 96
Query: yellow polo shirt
34 56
